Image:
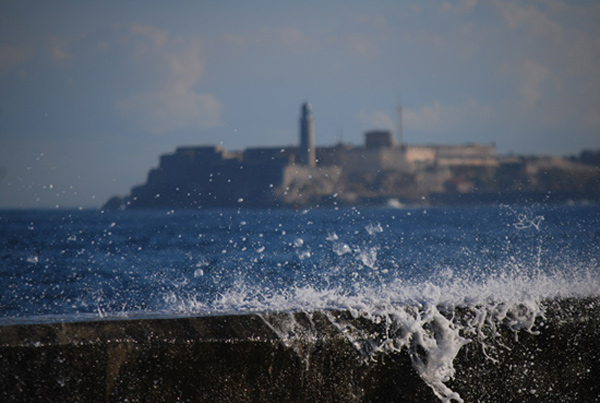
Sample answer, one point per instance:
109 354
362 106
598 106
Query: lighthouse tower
307 153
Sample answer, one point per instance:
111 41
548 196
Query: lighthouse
307 153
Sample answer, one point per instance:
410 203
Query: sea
502 261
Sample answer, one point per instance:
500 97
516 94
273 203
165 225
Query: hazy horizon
92 93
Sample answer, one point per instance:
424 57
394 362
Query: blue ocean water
79 265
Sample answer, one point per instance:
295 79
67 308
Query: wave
409 316
431 320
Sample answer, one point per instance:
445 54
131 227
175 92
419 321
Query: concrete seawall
247 358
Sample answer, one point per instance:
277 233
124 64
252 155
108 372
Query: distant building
307 154
379 138
379 170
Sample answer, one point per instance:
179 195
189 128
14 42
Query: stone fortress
379 172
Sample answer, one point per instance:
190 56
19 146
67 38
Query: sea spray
431 321
432 341
305 356
432 335
433 288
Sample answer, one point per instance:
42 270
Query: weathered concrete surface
210 359
243 359
561 363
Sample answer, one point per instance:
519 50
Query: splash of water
422 318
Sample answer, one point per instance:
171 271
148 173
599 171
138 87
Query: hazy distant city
92 95
382 172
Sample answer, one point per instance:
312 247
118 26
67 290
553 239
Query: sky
92 93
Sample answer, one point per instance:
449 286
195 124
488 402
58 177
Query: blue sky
91 93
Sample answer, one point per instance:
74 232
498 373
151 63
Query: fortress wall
540 164
475 161
361 161
306 185
393 158
433 181
157 177
204 152
173 162
327 156
465 151
417 154
265 154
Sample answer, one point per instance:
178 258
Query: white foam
34 259
341 248
413 312
332 236
368 257
417 314
373 228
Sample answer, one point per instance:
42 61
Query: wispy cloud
438 116
286 36
533 75
553 62
458 6
380 119
13 56
523 16
163 111
362 41
147 39
173 101
59 47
